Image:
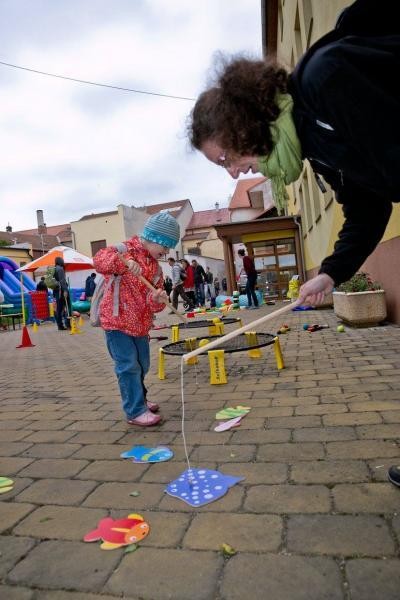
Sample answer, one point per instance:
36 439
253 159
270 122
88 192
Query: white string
183 419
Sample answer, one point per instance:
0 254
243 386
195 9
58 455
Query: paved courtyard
314 518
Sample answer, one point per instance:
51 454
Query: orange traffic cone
26 340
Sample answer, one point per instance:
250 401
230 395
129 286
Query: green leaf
135 493
227 551
131 548
45 519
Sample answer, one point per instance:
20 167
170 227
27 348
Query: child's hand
160 296
133 266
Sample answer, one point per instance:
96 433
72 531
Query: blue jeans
199 287
250 289
131 356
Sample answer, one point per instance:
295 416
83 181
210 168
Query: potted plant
360 301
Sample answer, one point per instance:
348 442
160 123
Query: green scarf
284 164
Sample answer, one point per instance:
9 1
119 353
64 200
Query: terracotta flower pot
361 309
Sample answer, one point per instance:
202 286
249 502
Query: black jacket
347 116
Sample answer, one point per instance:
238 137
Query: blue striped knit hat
162 229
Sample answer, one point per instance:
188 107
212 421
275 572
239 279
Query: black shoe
62 329
394 475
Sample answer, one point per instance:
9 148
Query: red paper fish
116 533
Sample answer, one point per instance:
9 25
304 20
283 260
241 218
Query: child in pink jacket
127 316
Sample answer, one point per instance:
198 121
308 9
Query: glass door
276 264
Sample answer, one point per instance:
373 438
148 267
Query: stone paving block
168 573
57 491
231 502
13 448
390 416
11 513
88 426
49 437
59 522
12 435
344 535
228 453
147 438
12 549
245 533
374 406
99 451
202 438
19 424
281 577
366 497
113 470
329 471
321 409
66 565
294 422
288 499
373 579
168 471
116 495
51 450
324 434
46 425
62 595
362 449
256 473
273 411
239 436
12 465
379 432
9 592
290 452
396 526
294 401
351 419
96 437
53 468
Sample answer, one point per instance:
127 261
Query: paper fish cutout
116 533
143 454
198 487
225 425
6 485
230 413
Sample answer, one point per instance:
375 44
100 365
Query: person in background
178 276
90 286
224 285
168 285
199 278
127 309
250 270
41 286
188 283
208 283
216 286
61 294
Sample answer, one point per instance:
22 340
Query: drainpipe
303 268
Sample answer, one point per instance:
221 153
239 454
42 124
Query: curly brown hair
236 112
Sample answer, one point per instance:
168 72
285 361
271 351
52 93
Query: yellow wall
107 227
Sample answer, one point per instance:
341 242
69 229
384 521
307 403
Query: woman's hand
133 266
160 296
313 292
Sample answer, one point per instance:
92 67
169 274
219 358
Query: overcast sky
72 149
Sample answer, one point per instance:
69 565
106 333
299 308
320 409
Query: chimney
9 228
41 224
218 216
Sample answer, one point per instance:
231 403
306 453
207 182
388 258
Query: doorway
276 263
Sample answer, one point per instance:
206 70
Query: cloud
68 148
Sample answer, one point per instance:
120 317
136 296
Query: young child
127 316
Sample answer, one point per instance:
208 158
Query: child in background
127 316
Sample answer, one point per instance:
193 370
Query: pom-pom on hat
162 229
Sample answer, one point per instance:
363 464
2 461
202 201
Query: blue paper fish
143 454
198 487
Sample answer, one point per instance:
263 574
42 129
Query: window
196 250
98 245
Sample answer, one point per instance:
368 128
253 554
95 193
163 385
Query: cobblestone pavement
314 518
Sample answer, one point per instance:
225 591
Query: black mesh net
204 323
236 344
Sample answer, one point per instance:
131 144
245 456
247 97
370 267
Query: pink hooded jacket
136 308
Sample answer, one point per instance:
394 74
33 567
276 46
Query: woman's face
233 163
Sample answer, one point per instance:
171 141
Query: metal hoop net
237 344
205 323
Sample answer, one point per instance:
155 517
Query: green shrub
360 282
